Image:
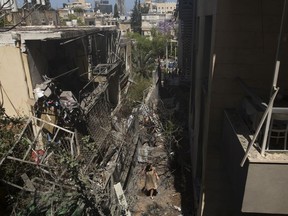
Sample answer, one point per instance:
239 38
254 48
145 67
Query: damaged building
69 83
68 56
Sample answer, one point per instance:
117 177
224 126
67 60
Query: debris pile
155 148
57 106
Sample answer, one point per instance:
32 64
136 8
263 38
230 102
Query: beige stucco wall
15 81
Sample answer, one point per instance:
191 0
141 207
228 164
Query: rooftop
50 32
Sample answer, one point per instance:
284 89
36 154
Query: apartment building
238 109
166 7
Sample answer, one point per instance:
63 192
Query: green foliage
9 126
78 10
136 93
63 201
116 12
159 42
72 17
58 201
145 9
54 203
137 90
145 52
136 19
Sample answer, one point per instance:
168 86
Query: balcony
260 186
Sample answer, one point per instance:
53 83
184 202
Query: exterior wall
243 44
124 27
23 67
151 20
234 178
206 7
266 189
146 28
63 13
38 17
43 18
168 7
14 81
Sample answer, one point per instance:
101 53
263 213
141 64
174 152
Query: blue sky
58 3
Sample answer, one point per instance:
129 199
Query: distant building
100 19
103 6
150 21
148 2
78 4
38 17
125 26
168 7
121 7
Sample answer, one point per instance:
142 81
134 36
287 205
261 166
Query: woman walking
151 178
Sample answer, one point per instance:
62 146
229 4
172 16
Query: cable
5 4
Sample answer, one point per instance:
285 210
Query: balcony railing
271 127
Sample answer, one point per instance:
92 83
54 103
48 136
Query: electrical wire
6 4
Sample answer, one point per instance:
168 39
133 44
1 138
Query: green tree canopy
159 41
145 51
116 12
145 9
78 10
136 18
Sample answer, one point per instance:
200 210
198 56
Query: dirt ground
174 196
168 200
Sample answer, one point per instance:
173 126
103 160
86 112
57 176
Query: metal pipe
259 127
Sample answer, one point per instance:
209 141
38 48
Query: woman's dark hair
148 168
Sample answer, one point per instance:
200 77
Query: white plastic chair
278 129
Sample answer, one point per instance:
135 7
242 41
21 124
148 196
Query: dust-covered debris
156 149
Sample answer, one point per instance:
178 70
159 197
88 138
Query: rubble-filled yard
167 201
156 149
